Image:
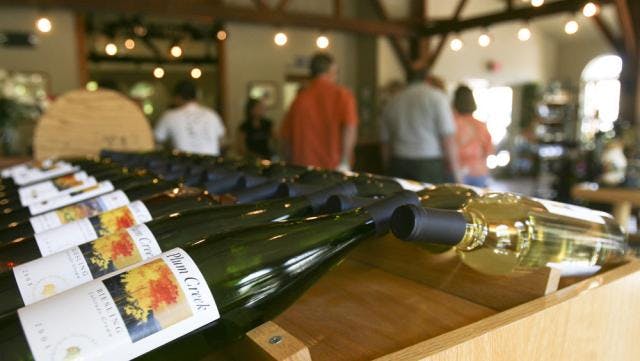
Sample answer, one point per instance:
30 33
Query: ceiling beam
401 53
628 30
605 30
204 10
443 40
526 13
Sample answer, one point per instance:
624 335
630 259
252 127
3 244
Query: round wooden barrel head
81 123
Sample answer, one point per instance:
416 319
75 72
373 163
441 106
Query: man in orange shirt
320 128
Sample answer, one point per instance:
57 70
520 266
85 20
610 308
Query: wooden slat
270 342
447 273
595 320
358 312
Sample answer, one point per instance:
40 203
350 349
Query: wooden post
81 49
222 89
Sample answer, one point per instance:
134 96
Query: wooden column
81 49
629 17
221 80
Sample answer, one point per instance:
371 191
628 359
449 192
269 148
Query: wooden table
622 199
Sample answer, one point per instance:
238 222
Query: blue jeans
476 181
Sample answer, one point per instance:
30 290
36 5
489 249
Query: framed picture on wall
265 90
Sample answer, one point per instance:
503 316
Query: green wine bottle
37 192
24 222
20 250
100 188
501 233
223 286
46 276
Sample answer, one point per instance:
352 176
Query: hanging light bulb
322 42
484 40
196 73
221 35
280 39
524 33
571 27
130 44
158 72
175 51
456 44
590 9
111 48
537 3
43 24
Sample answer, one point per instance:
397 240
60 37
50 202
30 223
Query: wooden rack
391 300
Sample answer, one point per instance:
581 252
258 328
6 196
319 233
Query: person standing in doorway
473 139
417 134
254 135
190 127
320 128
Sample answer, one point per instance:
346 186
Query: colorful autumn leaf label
148 298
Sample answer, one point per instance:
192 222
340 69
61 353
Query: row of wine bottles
146 265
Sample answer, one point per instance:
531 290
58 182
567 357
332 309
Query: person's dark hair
186 90
248 107
320 64
419 74
463 100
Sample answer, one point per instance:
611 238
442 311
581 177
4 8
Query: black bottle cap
224 184
340 203
294 189
415 223
250 181
215 173
381 210
264 191
318 199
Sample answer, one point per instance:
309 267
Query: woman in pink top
473 139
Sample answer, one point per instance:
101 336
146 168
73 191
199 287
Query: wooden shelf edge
444 343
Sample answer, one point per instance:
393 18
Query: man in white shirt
417 134
191 127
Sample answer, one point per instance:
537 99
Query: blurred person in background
321 126
417 134
473 139
254 134
190 126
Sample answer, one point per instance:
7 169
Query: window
600 95
494 107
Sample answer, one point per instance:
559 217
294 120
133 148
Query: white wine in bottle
502 232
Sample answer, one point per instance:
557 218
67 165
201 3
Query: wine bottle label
74 212
47 276
411 185
37 175
88 229
27 166
575 268
571 211
121 316
71 198
63 185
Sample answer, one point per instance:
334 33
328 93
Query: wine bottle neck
419 224
167 203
